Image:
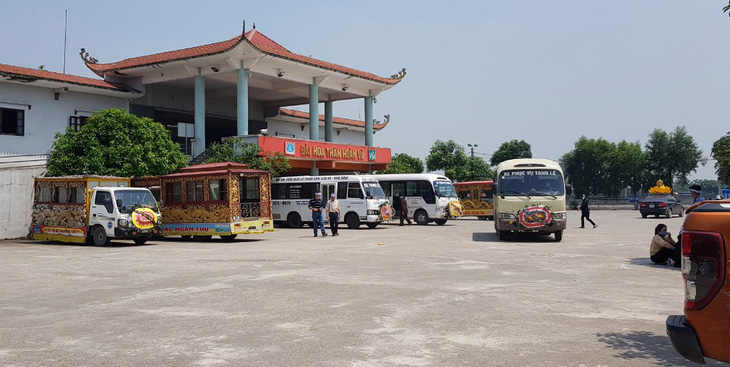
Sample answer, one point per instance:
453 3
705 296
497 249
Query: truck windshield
373 190
531 182
128 200
444 189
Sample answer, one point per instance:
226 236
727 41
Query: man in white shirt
333 211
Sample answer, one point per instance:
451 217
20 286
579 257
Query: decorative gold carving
62 215
203 213
399 75
88 59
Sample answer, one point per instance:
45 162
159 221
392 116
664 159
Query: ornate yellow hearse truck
93 210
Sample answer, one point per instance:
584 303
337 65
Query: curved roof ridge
336 120
29 75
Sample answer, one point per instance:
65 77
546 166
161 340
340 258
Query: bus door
327 188
398 190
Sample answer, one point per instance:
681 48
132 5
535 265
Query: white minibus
529 196
428 195
361 199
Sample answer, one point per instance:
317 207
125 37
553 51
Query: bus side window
412 188
399 189
386 188
278 191
354 191
341 190
425 190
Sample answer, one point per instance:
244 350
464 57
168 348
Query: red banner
323 151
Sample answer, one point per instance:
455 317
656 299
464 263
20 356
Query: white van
529 196
428 195
361 199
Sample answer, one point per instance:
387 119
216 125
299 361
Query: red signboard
323 151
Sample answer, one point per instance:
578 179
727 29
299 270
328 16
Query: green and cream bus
529 196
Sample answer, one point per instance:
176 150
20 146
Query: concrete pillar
369 120
199 114
242 101
314 110
328 136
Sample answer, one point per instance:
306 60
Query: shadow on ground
515 237
645 261
645 346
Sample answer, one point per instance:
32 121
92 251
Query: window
301 190
194 191
412 188
75 122
341 190
217 190
425 190
61 195
173 192
278 191
12 122
386 188
486 194
354 191
44 195
399 189
77 195
464 195
249 189
104 199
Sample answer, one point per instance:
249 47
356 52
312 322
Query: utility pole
472 146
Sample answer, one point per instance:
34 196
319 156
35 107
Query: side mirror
494 188
569 189
119 203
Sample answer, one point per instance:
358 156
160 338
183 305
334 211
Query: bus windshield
531 182
444 189
373 190
128 200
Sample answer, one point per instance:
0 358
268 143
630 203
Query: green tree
671 156
512 149
586 169
721 152
447 156
404 163
626 166
115 143
236 150
477 169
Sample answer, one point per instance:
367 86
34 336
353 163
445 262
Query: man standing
333 210
585 213
315 205
696 192
403 213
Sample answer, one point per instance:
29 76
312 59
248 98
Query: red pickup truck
704 329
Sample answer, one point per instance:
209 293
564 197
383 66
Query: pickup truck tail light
703 267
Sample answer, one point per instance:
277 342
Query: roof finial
243 31
400 74
254 25
87 59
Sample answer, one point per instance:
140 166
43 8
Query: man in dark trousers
403 211
585 213
316 205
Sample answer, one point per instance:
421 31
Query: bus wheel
229 237
421 217
202 238
559 236
352 221
98 236
440 222
186 236
372 225
293 220
139 241
503 235
490 217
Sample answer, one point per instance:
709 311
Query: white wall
290 128
16 194
46 116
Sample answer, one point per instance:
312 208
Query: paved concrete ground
414 296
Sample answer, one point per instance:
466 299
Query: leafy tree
449 157
721 152
511 150
477 169
115 143
404 163
236 150
626 166
671 156
585 168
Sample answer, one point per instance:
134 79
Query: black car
658 205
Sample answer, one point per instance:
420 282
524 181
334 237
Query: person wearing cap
333 211
316 205
696 192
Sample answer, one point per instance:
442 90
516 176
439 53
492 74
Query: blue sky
479 72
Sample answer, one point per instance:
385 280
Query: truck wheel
559 236
421 217
229 237
503 235
352 221
98 236
372 225
440 222
139 241
294 220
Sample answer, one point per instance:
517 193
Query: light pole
472 146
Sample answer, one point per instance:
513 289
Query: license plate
651 205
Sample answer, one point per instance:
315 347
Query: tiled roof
30 75
336 120
257 39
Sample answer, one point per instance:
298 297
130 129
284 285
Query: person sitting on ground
664 247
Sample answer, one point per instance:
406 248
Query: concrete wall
16 193
46 116
289 128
